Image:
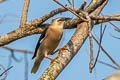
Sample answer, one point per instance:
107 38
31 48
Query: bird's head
60 21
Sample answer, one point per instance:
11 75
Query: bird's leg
46 56
63 48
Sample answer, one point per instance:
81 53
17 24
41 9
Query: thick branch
94 5
39 21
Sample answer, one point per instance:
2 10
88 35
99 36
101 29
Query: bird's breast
55 34
53 38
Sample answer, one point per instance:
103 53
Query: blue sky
78 68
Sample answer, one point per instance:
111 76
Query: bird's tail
37 63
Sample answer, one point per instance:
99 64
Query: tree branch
24 13
17 50
5 71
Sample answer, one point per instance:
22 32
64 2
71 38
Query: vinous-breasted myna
48 41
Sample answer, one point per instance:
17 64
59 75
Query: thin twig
2 19
102 62
105 18
5 75
114 36
91 49
14 57
114 62
83 5
24 13
101 36
73 3
107 64
72 11
17 50
116 28
6 71
26 66
90 40
69 2
9 60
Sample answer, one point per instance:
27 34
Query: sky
78 68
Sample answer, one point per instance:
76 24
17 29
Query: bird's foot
50 58
63 48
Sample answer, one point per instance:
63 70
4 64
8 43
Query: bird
49 41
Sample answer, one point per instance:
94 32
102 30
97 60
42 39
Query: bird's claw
51 59
63 48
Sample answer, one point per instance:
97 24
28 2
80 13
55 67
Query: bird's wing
39 42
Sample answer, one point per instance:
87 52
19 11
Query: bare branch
94 5
114 36
116 28
72 11
82 6
89 24
108 18
6 71
14 57
101 36
107 53
102 62
26 66
109 65
2 67
111 17
17 50
24 13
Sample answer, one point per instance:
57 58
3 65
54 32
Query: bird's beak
67 19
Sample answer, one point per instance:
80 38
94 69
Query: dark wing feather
39 42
